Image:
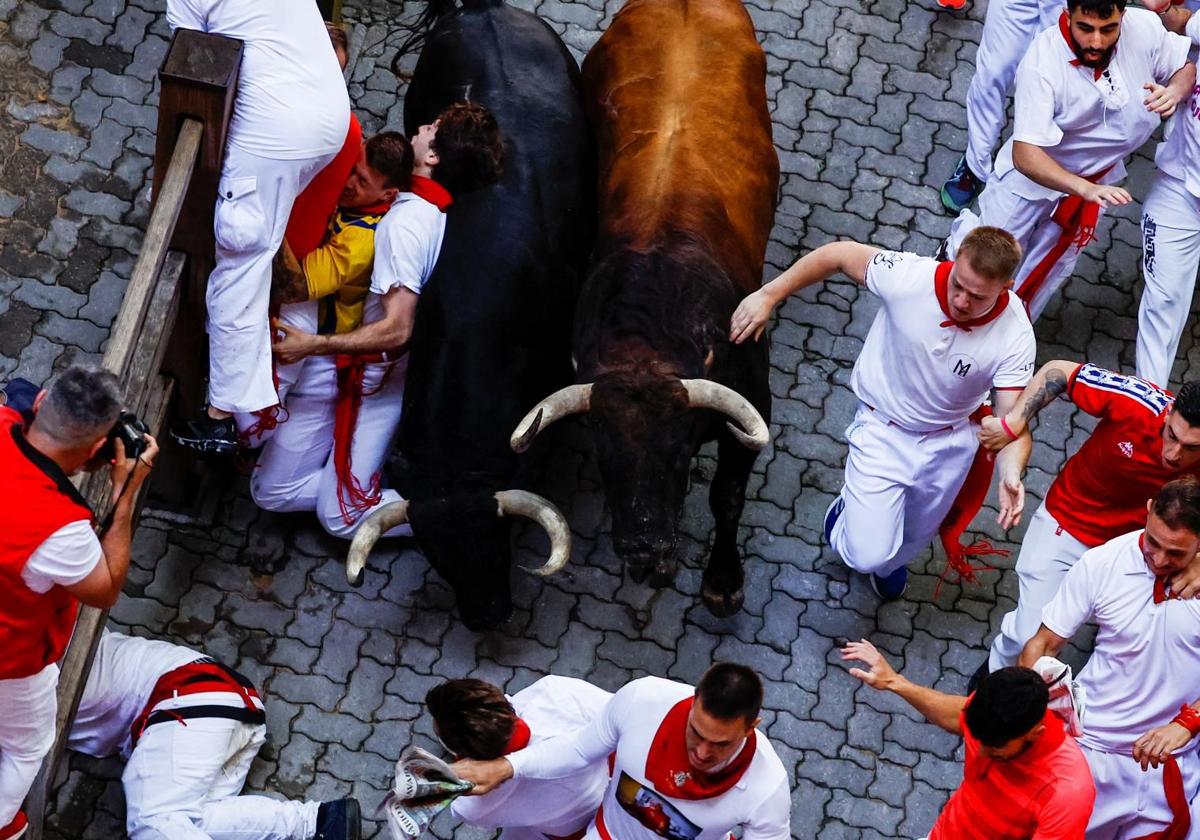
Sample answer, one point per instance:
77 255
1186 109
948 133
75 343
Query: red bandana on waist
519 739
431 191
941 284
670 772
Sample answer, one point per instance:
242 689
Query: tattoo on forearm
1048 392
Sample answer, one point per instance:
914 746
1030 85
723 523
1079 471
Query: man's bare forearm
376 337
943 710
1183 80
1048 384
1036 164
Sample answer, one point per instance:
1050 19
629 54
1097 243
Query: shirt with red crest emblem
1102 490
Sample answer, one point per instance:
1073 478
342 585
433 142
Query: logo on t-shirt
961 364
1126 448
652 810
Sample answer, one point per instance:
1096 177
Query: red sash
1181 817
194 678
670 772
1077 218
353 498
962 511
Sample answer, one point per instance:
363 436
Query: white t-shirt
118 688
558 807
291 99
921 375
1179 153
1088 124
408 240
65 557
759 803
1146 659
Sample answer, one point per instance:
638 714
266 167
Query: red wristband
1188 718
1007 430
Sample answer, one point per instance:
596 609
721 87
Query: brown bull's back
677 92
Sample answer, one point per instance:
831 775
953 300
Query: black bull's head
643 425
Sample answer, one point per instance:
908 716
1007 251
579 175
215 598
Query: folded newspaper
1068 699
425 785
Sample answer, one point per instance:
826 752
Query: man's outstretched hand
878 674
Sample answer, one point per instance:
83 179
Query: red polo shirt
1044 794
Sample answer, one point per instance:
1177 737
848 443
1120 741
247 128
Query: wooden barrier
199 78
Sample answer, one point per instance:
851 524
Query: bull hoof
639 572
722 604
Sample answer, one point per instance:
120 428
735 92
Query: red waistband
196 678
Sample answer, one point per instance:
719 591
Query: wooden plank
77 661
163 220
146 360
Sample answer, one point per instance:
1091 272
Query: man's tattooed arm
1053 385
1046 386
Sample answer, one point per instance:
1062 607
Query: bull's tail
434 11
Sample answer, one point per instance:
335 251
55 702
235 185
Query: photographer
51 558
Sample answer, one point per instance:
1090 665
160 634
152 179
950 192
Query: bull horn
704 393
368 533
533 506
574 399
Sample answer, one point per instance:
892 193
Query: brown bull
688 181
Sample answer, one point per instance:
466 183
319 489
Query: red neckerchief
1064 26
1049 741
431 191
1161 593
519 739
670 772
941 284
370 210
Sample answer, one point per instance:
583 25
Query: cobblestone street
867 101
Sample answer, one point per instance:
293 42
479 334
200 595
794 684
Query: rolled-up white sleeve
563 755
1035 106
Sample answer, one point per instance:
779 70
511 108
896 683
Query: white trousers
302 316
1028 220
26 735
296 470
1130 802
899 486
1170 258
1047 554
1008 29
253 204
182 783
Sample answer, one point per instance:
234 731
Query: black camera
130 431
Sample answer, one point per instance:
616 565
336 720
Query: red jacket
37 499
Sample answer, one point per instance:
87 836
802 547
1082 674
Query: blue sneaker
891 587
961 188
832 514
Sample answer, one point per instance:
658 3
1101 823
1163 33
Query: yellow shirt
339 272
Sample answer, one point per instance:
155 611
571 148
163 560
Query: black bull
493 325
